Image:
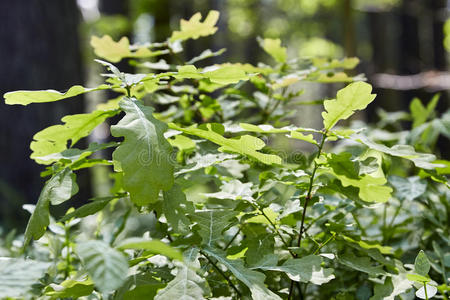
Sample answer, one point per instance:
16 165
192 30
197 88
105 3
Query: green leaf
143 291
252 279
422 264
419 113
211 224
305 269
106 48
355 96
235 190
245 145
362 264
194 28
421 160
18 275
273 48
27 97
204 55
144 155
71 288
300 136
88 209
222 75
417 278
54 139
58 189
74 156
408 188
342 164
371 189
430 292
186 284
107 267
176 208
325 63
226 75
153 246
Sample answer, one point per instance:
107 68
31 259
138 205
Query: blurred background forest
403 46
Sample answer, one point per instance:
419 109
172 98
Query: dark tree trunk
39 49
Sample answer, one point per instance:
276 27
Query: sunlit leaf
355 96
245 145
27 97
154 246
106 48
273 48
195 28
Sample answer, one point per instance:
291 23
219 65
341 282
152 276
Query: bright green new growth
27 97
194 28
273 48
355 96
145 155
54 139
245 145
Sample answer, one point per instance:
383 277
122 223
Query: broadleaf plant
206 204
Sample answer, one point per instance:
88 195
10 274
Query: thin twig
222 273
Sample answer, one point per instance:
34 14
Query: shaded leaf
252 279
362 264
305 269
421 160
408 188
88 209
186 284
212 223
107 267
144 155
59 188
18 275
422 264
176 208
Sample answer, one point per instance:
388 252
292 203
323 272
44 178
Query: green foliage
211 201
144 155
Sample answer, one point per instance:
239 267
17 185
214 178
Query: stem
121 227
363 231
222 273
425 288
232 239
305 206
68 257
286 244
326 242
128 88
309 194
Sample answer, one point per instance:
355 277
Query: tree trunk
39 50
